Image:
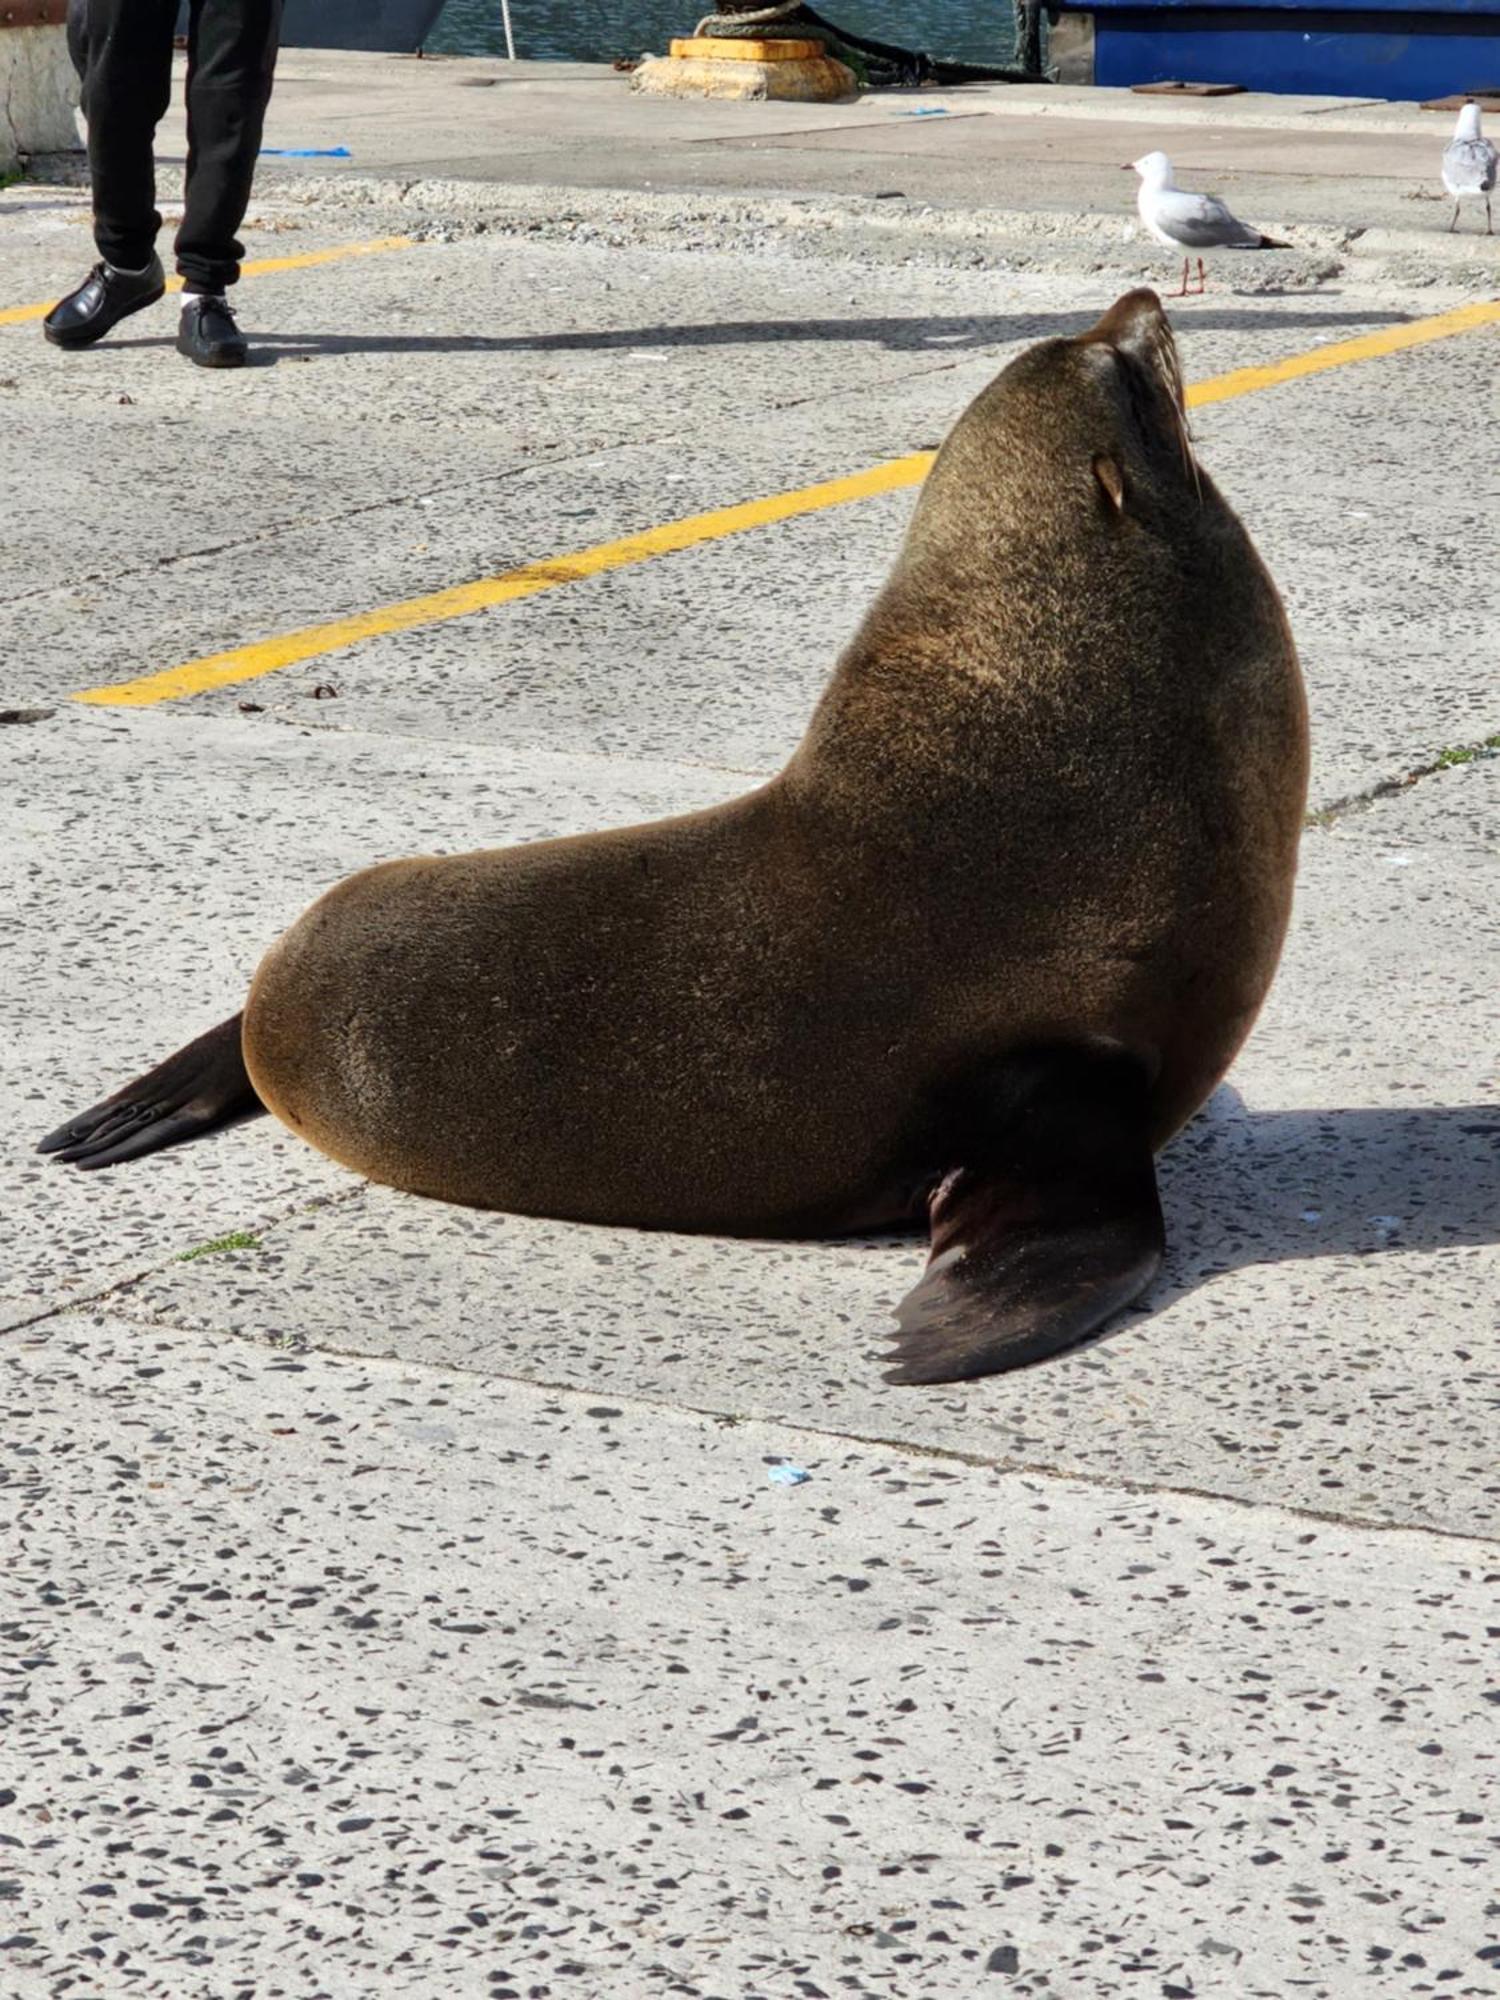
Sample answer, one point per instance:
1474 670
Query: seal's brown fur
1053 792
1014 901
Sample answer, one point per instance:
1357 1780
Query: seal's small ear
1111 477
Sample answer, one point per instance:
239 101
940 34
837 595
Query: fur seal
991 936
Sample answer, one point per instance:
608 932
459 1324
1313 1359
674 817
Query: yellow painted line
261 267
247 663
1366 347
266 656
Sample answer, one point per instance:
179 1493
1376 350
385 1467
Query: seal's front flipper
1042 1234
203 1086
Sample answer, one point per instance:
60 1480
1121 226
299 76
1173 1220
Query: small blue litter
788 1475
926 111
305 153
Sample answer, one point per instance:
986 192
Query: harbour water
979 31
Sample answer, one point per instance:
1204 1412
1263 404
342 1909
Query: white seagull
1469 165
1190 221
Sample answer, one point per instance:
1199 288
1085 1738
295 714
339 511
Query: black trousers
122 50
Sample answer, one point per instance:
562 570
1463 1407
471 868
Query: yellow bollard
745 68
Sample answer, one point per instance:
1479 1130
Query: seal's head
1139 360
1074 441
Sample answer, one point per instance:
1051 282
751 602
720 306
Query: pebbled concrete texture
480 1689
1463 811
400 1601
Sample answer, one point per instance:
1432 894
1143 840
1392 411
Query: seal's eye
1111 477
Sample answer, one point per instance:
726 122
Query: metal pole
510 40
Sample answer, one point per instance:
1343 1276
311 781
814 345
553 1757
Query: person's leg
127 85
231 60
78 36
122 50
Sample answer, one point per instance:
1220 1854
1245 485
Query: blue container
1336 48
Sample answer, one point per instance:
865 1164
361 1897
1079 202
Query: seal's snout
1137 330
1137 327
1135 323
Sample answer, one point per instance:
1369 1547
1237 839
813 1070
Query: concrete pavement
397 1601
1004 174
351 1678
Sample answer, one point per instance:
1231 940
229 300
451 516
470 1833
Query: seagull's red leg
1202 282
1182 290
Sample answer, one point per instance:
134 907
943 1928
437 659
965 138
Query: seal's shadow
1242 1187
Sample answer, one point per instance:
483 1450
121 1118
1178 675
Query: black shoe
208 334
105 297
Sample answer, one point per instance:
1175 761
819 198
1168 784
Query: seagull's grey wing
1201 221
1469 166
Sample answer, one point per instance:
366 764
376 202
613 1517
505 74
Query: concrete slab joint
38 94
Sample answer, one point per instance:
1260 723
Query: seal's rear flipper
1044 1235
203 1086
